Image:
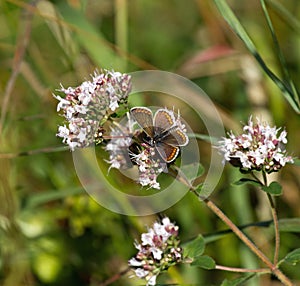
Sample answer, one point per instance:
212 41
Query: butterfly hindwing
176 137
167 152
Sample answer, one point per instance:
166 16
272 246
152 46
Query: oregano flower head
260 147
158 250
86 107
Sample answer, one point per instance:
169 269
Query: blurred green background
51 231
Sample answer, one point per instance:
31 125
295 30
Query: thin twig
275 220
211 205
114 278
33 152
284 279
276 228
242 270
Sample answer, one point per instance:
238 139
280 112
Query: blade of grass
286 16
278 52
97 47
121 28
52 195
236 26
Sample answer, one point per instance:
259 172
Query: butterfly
163 131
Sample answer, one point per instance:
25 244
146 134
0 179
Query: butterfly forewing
163 120
167 152
143 116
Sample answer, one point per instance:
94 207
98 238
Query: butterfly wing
176 137
144 117
164 119
167 152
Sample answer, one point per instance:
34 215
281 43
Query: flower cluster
259 148
159 249
86 107
118 146
149 166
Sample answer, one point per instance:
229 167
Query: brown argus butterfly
163 131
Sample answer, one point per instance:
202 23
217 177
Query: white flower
158 251
149 167
63 103
258 148
118 146
141 273
63 132
134 262
152 280
91 102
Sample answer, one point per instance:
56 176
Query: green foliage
205 262
274 189
189 171
194 248
247 181
289 224
287 88
293 257
238 281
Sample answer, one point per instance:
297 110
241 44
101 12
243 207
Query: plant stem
113 278
276 271
275 220
284 279
242 270
276 229
238 232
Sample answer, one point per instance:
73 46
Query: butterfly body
163 131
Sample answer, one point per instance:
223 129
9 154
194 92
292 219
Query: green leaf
49 196
234 23
296 161
205 262
247 181
273 189
238 281
285 15
278 52
289 224
189 170
293 257
194 248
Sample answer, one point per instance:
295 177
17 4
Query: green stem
275 220
121 27
276 228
